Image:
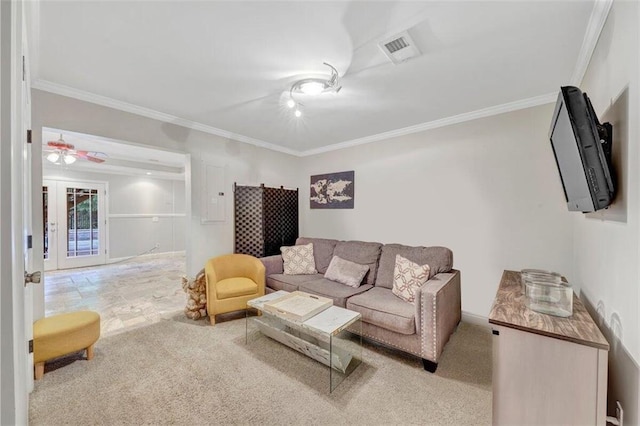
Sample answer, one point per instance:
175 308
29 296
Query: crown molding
447 121
167 118
82 95
149 113
595 25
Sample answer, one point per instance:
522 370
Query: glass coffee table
324 337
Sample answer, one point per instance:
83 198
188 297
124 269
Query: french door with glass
74 224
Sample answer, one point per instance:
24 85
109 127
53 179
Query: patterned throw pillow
408 277
298 260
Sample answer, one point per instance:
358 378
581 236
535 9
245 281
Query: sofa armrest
438 312
272 264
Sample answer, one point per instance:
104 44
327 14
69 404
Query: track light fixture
313 87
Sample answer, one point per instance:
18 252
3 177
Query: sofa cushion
346 272
322 251
298 260
408 277
333 290
289 282
379 306
363 253
439 259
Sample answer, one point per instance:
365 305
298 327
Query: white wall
133 202
243 164
606 245
488 189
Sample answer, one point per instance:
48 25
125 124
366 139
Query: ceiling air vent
395 45
399 48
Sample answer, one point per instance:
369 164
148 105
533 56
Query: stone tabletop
330 321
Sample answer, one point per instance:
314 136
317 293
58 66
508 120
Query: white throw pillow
408 277
346 272
298 260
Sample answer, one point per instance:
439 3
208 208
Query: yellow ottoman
62 335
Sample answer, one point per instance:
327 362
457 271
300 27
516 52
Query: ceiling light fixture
313 87
59 156
53 157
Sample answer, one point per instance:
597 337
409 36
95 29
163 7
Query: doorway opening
114 227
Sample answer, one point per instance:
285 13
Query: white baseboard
475 319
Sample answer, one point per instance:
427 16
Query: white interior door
74 230
16 326
31 277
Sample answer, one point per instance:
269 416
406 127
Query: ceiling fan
63 152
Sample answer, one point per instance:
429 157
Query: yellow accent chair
64 334
232 280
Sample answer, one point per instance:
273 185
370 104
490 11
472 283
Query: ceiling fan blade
96 157
60 145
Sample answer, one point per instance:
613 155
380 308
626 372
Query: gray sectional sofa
421 329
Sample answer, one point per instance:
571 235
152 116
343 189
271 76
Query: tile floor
137 292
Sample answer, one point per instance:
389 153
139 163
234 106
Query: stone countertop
509 310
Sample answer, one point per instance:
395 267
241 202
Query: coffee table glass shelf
331 336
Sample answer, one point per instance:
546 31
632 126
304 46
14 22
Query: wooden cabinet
546 369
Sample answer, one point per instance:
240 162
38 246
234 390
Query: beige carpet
181 372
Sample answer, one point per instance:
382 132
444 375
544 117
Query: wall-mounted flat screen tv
582 147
